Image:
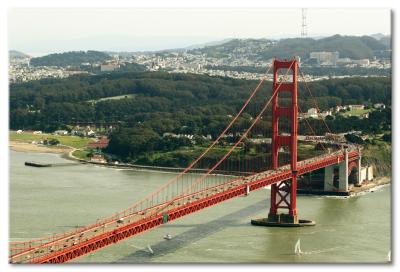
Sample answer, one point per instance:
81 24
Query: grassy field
113 98
306 151
356 112
81 154
72 141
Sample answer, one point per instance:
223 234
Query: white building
379 106
108 67
356 107
362 62
326 113
325 58
61 132
313 113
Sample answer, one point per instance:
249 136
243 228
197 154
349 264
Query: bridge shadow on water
198 232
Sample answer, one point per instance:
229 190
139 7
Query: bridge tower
283 194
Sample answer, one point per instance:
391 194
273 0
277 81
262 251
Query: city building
109 67
362 62
325 58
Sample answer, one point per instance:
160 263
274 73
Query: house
61 132
313 113
326 113
90 133
97 158
339 108
379 106
356 107
364 115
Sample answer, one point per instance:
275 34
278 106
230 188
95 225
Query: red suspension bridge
186 193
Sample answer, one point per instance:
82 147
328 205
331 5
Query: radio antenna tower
303 23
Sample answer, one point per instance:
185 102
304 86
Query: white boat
150 249
168 237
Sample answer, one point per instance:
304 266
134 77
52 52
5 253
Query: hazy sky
40 30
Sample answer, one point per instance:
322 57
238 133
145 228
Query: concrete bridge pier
336 177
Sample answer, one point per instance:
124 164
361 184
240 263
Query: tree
353 139
53 141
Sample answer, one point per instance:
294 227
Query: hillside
73 58
17 54
353 47
147 105
171 97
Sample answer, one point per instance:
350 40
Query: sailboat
389 256
297 249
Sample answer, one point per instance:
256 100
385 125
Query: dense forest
73 58
169 100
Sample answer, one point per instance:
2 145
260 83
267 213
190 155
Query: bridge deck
97 236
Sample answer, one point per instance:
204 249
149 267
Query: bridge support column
336 177
328 179
344 173
359 181
283 194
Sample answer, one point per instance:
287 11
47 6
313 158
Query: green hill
73 58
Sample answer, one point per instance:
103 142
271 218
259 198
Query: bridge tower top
281 111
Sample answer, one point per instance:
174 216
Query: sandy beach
28 147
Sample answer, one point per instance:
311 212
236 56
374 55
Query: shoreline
21 146
370 186
66 153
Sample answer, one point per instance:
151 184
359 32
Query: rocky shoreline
370 186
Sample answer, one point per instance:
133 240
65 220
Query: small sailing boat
297 249
389 256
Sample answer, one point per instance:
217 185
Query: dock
40 164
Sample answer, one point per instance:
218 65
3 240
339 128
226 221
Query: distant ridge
17 54
73 58
354 47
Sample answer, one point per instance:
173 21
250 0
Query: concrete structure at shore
340 177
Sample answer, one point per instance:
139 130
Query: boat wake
320 251
298 251
148 249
